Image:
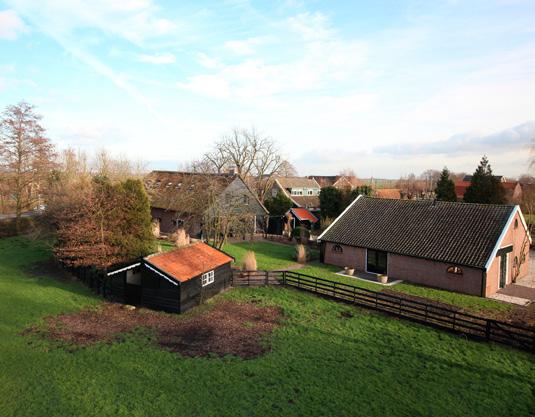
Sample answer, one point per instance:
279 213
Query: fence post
267 277
487 330
334 290
454 319
283 277
426 313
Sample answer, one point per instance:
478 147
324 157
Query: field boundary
428 314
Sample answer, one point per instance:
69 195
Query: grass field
326 359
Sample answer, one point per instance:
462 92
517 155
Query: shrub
180 238
301 254
300 234
249 261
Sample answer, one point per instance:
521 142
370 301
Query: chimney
232 170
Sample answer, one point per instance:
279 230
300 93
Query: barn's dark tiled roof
457 233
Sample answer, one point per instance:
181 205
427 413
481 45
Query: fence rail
443 318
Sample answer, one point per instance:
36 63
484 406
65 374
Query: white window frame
208 278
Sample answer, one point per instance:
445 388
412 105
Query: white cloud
323 61
11 25
244 47
133 20
157 58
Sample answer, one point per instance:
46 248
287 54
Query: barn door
503 270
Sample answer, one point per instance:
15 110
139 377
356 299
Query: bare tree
26 156
430 178
254 157
117 168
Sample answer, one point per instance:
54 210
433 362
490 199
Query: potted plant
349 271
383 279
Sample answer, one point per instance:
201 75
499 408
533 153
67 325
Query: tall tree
251 155
331 202
484 188
26 156
445 189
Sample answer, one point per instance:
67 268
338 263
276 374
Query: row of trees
100 213
484 187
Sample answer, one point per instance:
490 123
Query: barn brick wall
516 237
415 270
434 274
351 257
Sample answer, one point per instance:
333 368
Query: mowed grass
326 359
269 255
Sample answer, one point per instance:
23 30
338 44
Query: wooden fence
418 311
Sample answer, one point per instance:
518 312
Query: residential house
513 190
173 281
469 248
303 192
184 199
393 193
338 181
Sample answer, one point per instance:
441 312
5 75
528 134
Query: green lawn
322 363
270 256
327 359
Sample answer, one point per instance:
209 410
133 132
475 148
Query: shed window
455 270
207 278
338 249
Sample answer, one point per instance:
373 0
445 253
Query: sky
384 88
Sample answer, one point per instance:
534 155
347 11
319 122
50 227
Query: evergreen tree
445 190
278 205
331 202
484 187
136 238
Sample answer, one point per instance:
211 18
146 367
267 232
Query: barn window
516 223
207 278
455 270
338 249
246 200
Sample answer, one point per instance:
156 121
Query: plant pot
383 279
349 271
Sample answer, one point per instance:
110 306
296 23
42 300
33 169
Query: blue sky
382 87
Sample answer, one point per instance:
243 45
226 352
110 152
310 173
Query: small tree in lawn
330 202
484 187
445 190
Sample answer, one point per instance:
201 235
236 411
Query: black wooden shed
173 281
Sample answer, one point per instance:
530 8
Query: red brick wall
351 257
406 268
434 274
513 237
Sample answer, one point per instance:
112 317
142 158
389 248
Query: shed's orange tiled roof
189 261
304 214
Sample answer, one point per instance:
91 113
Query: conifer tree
484 188
445 190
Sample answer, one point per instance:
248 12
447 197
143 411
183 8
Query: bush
300 234
8 227
180 238
249 261
301 254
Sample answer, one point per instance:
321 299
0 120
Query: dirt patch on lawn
228 328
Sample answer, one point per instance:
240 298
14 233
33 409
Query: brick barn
469 248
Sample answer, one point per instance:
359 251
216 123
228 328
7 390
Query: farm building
469 248
173 281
